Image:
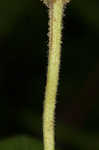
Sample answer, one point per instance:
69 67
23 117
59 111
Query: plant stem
55 28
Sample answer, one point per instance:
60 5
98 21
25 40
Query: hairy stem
55 27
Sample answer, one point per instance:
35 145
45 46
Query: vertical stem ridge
55 29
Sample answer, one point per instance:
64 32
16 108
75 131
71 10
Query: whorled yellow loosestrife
56 8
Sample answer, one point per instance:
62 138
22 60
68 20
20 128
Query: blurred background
23 65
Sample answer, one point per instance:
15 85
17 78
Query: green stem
55 27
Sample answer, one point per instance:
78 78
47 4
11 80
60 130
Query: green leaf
21 143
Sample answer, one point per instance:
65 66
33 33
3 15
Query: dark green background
23 65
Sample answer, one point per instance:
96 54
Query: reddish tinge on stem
47 2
